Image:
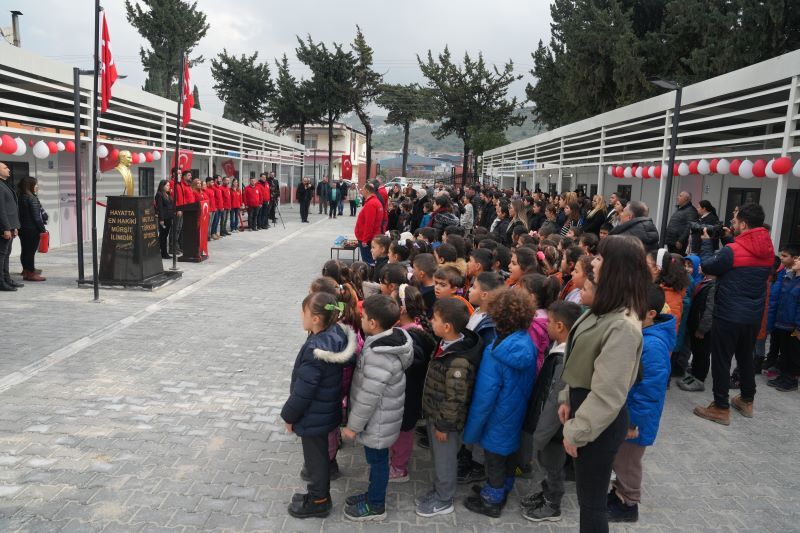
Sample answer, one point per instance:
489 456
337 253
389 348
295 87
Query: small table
356 251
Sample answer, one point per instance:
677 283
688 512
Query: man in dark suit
9 228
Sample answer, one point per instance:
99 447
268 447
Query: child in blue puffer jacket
784 322
645 404
502 388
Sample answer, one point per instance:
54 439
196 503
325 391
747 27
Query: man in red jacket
213 221
252 201
226 207
263 212
219 200
183 195
369 222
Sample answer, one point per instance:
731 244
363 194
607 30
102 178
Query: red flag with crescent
108 70
187 97
347 168
184 160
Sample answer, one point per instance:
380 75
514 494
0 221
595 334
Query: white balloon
746 169
769 172
628 173
142 158
157 156
664 171
683 169
796 169
723 166
40 150
61 146
651 172
21 147
639 172
102 151
704 167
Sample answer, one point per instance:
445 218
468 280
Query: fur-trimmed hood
341 357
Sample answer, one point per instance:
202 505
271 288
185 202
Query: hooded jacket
694 280
742 269
642 228
449 383
424 345
314 406
377 392
646 398
784 304
499 401
541 419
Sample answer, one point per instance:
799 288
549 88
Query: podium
130 256
194 240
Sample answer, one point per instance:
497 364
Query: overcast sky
397 31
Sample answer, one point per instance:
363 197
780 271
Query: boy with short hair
448 281
502 257
446 398
480 322
542 421
645 404
424 267
605 229
377 397
480 260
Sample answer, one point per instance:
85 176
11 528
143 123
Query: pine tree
470 97
366 88
292 103
244 85
405 105
172 27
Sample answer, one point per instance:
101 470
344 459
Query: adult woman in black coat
500 225
165 209
596 216
31 227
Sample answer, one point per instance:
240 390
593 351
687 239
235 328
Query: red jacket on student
236 198
182 192
219 197
370 219
252 196
211 196
226 197
263 191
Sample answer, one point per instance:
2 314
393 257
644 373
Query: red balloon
619 172
693 167
646 172
148 157
7 144
113 155
70 147
782 165
657 172
52 146
760 168
134 158
735 164
713 165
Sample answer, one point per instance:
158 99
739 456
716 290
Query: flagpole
95 95
181 76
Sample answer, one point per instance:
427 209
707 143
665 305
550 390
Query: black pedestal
190 241
131 256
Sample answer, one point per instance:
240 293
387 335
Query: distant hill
422 141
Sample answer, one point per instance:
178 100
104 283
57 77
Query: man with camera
742 268
677 233
708 221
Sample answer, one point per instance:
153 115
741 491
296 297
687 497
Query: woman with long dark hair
31 227
600 366
165 208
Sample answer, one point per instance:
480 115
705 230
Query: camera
714 230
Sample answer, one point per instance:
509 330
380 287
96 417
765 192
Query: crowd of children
469 333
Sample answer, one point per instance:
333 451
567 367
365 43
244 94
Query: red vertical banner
205 214
187 96
108 70
347 168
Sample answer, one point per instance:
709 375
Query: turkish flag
188 97
185 160
229 167
347 168
108 70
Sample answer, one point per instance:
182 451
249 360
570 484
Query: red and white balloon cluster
137 158
747 169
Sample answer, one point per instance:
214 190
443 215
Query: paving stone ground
169 420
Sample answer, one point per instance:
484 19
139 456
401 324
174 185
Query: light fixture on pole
671 86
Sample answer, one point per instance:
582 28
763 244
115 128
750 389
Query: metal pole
178 152
76 85
673 145
95 268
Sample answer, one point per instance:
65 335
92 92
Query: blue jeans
341 207
378 461
215 221
366 254
234 219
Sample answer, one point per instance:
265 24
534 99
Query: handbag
44 242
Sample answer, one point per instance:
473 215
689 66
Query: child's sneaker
355 499
544 512
364 512
433 507
307 507
532 500
430 495
472 473
618 511
398 476
691 384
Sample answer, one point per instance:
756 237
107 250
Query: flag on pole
108 70
187 97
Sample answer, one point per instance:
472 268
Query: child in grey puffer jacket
377 397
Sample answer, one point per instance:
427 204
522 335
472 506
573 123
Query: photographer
708 220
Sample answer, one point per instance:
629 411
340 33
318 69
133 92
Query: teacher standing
369 221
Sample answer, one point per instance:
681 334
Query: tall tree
470 97
292 103
366 88
332 81
244 85
196 98
405 105
172 27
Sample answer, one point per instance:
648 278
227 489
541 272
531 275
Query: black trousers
789 354
252 218
593 468
352 208
263 216
304 205
5 254
728 340
701 355
332 209
315 454
29 240
499 467
163 236
272 206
